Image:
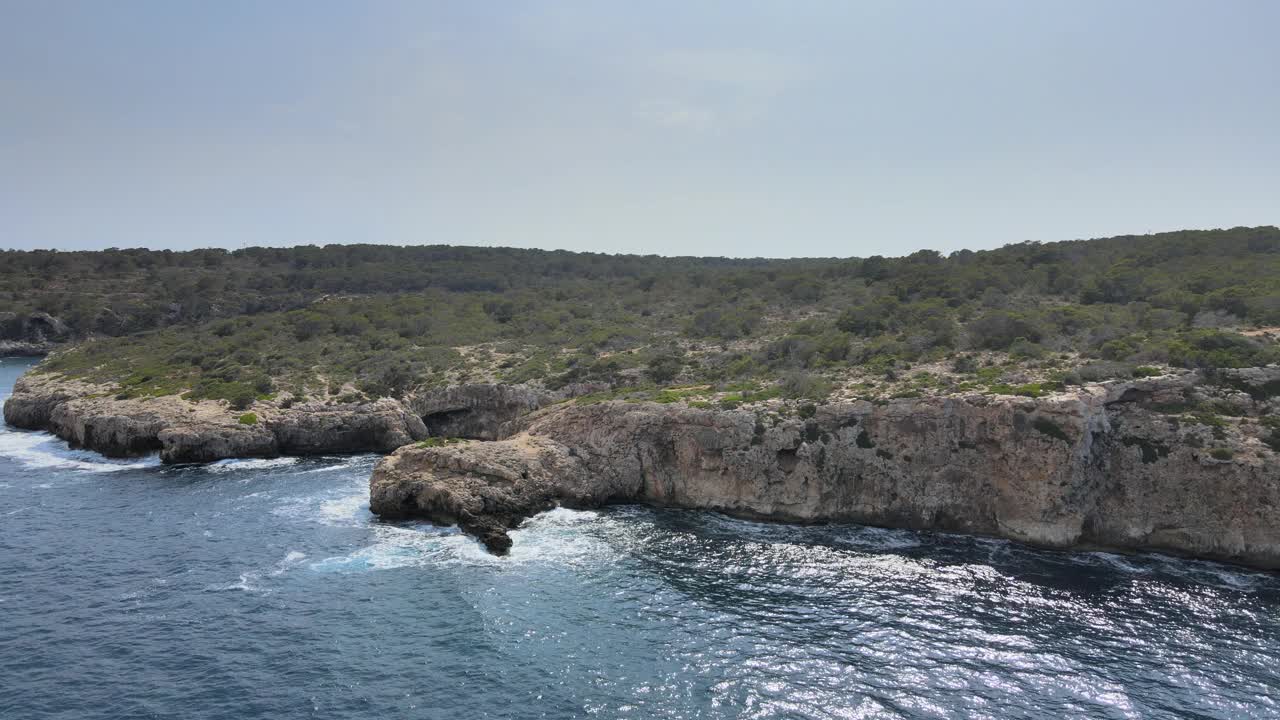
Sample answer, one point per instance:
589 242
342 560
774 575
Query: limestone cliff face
1114 465
1097 467
477 411
87 416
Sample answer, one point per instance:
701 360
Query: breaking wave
41 450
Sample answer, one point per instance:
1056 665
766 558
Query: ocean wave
340 463
879 539
1208 572
237 465
41 450
347 509
256 580
343 506
559 536
1115 562
406 546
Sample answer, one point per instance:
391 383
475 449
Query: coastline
1099 466
1081 471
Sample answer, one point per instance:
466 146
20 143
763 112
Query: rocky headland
89 416
1118 465
1134 464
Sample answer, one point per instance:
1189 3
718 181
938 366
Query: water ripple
266 589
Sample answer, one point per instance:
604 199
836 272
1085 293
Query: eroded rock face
1091 468
1105 465
90 416
476 411
488 487
183 432
32 334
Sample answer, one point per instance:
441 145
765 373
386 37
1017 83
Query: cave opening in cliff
462 423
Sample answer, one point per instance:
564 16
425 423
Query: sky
740 128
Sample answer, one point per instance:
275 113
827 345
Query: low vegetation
353 322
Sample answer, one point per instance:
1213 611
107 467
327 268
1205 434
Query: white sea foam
558 537
874 538
347 510
235 465
254 580
343 506
400 547
1207 572
1117 562
39 450
338 464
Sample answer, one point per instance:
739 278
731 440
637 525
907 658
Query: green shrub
1221 453
1034 390
249 419
664 368
799 385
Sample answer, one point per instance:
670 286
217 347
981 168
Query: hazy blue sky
726 128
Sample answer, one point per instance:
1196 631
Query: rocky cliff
1116 466
89 416
33 334
477 411
1132 464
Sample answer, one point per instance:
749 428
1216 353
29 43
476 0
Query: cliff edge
1115 466
88 416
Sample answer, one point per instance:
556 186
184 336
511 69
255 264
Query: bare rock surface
1113 465
183 432
1095 467
31 334
478 411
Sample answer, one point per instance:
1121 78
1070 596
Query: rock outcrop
477 411
184 432
1102 466
1129 465
33 334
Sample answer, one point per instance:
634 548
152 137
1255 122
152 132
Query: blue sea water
265 589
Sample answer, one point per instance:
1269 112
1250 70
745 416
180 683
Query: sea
266 589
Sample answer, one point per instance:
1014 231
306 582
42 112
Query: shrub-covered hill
378 320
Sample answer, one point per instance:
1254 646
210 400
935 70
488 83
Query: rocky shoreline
88 416
1103 466
1126 465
